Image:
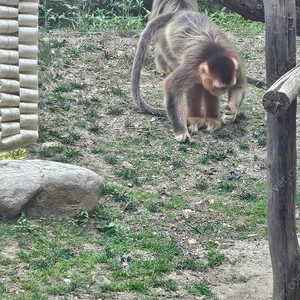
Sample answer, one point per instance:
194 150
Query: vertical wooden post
280 18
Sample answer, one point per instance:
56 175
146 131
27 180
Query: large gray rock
41 188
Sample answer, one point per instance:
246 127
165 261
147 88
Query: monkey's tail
257 83
142 46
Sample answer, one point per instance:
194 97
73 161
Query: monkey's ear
203 68
236 63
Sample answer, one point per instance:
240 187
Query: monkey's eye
223 89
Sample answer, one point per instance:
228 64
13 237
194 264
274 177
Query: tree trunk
280 17
253 9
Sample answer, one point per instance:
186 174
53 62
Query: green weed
214 258
95 129
111 159
192 264
215 154
115 91
243 145
176 202
202 184
115 193
152 206
199 289
81 219
92 115
130 175
14 154
115 111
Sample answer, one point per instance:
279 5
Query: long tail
143 44
257 83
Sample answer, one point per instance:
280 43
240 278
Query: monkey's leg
212 113
235 97
161 65
194 116
176 105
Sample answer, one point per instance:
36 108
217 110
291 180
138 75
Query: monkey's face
212 82
214 86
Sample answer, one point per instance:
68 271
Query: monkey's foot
196 123
182 138
212 124
230 113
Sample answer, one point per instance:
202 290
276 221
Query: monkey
199 63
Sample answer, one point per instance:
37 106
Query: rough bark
253 9
283 92
280 18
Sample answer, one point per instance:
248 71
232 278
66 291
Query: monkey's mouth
218 92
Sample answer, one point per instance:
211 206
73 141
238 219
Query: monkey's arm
179 81
236 95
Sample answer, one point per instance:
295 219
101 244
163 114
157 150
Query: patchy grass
168 212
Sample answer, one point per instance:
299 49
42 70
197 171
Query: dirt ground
253 261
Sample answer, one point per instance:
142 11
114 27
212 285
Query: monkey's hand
212 124
230 113
196 123
182 138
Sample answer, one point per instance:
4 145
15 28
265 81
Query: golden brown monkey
199 62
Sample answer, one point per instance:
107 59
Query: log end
275 102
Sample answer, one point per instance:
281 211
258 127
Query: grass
167 210
87 15
14 154
199 289
67 263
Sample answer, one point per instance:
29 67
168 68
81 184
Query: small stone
67 280
187 213
102 280
192 242
127 165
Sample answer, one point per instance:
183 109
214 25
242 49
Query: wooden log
249 9
280 19
252 9
283 92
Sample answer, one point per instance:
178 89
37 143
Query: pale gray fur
143 44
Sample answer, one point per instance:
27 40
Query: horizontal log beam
283 92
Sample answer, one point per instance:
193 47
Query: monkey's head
218 73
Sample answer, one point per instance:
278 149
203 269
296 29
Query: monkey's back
160 7
193 32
